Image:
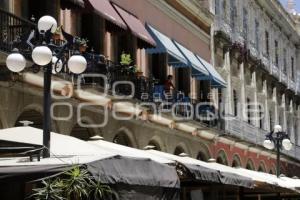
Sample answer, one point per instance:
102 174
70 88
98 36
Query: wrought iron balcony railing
12 28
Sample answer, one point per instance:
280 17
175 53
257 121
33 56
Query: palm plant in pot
74 184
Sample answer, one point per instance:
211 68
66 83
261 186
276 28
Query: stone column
108 45
283 104
242 106
255 106
228 95
266 107
275 107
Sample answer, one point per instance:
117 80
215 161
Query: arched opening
123 139
262 167
222 158
82 132
271 171
202 156
155 145
236 162
250 165
179 150
33 116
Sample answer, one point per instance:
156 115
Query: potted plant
82 43
125 59
139 73
74 184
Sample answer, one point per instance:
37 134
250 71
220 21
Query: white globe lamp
15 62
41 55
45 23
277 128
56 66
77 64
287 145
268 144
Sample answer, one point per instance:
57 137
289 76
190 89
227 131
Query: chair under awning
106 10
135 25
215 77
164 44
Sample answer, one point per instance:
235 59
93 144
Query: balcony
238 38
275 71
244 130
222 27
12 29
283 78
252 50
265 62
291 84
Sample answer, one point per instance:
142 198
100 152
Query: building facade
253 45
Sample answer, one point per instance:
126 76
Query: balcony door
183 80
38 8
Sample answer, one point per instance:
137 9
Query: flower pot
82 48
139 74
56 36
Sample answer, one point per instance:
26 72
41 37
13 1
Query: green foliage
74 184
51 190
125 59
58 30
81 41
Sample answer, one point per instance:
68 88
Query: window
292 68
235 102
271 120
224 9
232 14
267 43
261 123
284 61
217 7
276 53
245 23
248 111
257 35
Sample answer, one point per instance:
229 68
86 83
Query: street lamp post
277 139
51 59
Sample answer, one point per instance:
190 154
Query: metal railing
12 29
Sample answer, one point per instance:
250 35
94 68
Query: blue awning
216 78
197 67
179 56
164 44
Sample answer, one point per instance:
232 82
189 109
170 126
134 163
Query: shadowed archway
222 158
81 131
155 144
33 116
250 165
236 161
123 139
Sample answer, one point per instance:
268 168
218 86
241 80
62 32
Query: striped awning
216 78
164 44
135 25
197 67
106 10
